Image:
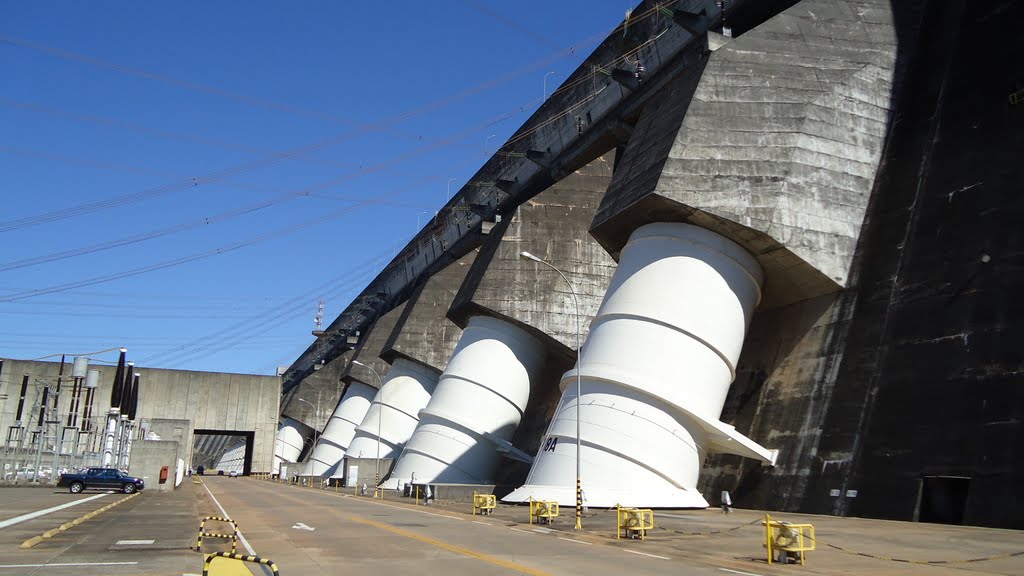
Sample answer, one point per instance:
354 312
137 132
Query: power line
172 81
271 159
160 132
481 7
306 191
179 261
246 327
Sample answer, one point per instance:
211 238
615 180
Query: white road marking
301 526
646 554
738 572
38 513
55 565
543 530
518 530
133 542
237 531
479 522
576 541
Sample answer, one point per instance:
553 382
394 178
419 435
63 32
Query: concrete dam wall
781 262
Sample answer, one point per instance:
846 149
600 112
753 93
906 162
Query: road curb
68 525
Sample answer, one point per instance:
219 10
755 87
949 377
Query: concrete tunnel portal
223 450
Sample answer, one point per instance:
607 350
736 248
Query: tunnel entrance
943 499
222 451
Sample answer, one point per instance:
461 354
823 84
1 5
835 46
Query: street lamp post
316 435
380 419
576 303
449 195
546 87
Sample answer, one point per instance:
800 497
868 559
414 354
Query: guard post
543 510
789 540
484 503
633 522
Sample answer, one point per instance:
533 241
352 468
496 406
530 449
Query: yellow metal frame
208 560
786 537
630 520
543 510
485 503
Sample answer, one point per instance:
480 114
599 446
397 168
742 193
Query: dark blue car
101 479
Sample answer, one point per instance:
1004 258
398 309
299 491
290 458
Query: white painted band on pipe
654 373
482 392
287 443
333 443
394 411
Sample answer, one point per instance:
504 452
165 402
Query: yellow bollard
788 539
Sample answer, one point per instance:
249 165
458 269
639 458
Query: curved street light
449 196
579 485
546 87
316 408
380 418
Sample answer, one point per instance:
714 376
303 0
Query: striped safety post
579 504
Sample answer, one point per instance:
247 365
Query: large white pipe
233 459
287 444
477 405
655 371
333 443
394 411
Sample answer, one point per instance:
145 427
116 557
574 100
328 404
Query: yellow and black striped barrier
239 557
204 534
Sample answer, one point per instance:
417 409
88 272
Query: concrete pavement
311 531
703 540
149 534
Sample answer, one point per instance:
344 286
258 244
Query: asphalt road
313 532
308 531
148 534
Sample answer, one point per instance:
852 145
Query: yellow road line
456 549
68 525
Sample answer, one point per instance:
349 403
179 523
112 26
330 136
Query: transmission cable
288 307
271 159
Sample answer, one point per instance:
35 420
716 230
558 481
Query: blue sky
188 179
